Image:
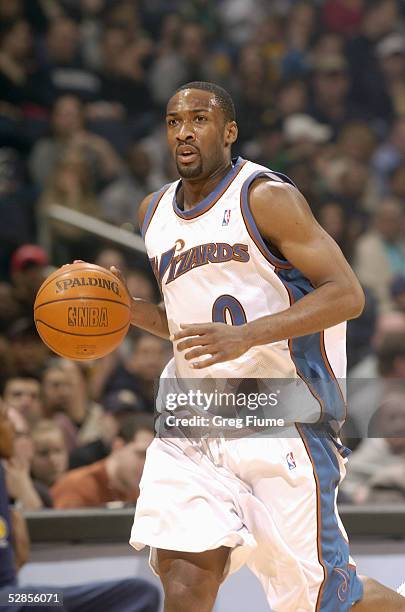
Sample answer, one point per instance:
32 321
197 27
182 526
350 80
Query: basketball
82 311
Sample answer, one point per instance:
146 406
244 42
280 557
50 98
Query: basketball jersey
213 265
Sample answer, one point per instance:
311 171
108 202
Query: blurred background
319 89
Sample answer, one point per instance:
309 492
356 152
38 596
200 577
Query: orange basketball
82 311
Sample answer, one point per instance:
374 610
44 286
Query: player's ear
231 132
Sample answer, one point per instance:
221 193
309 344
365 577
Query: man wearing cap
390 52
117 406
27 272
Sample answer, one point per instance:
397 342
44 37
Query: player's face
199 138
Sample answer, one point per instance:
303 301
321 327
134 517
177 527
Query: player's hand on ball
220 341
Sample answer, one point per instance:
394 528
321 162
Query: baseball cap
124 400
304 127
28 254
391 45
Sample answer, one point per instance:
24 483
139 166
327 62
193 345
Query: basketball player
234 242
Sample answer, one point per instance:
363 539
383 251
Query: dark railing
114 525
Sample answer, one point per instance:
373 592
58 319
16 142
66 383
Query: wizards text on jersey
200 255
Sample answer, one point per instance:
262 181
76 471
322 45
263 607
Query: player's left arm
285 220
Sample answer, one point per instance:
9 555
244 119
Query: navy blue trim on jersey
249 220
150 211
341 586
211 198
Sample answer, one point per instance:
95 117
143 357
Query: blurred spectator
63 62
66 400
268 148
376 471
17 200
28 270
119 201
292 97
397 184
332 217
397 290
140 285
367 390
356 144
390 154
139 370
68 130
20 486
108 257
117 406
22 434
380 252
115 478
252 92
24 394
380 18
390 52
123 75
8 307
304 135
361 360
343 16
50 457
21 84
71 186
189 62
29 354
330 102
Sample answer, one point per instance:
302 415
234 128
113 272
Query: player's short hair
223 98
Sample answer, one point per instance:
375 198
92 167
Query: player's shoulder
148 205
275 197
143 207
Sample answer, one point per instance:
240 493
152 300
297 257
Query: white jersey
213 265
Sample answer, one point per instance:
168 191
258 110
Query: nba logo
227 217
290 461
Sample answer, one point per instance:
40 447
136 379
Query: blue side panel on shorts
341 586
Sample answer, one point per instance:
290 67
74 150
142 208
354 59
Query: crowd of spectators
319 89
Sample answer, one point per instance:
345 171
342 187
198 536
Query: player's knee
188 587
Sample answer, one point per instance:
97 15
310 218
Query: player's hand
220 341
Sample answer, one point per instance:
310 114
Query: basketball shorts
272 501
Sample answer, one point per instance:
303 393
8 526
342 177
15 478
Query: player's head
201 129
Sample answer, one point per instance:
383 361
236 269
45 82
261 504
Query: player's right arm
144 314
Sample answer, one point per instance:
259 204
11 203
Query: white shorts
272 501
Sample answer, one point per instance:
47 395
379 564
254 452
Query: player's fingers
77 261
190 330
199 352
190 342
207 362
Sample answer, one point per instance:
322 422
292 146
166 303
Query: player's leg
191 580
377 597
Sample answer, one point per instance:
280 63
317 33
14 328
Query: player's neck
194 191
